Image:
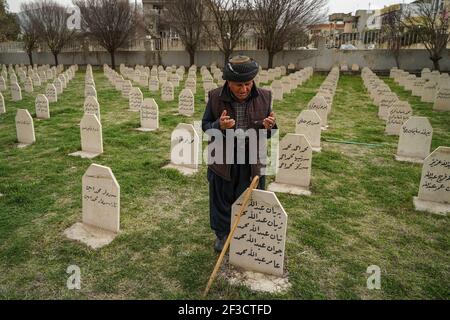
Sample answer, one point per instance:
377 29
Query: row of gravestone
30 77
431 87
414 145
24 122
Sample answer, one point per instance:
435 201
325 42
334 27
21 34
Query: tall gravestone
28 85
51 93
126 88
90 91
153 84
434 190
386 102
294 166
258 243
442 100
42 107
191 84
149 116
184 151
24 128
3 86
319 104
58 86
277 90
186 103
399 113
2 104
91 137
429 92
100 208
16 92
135 99
415 140
167 92
308 124
91 106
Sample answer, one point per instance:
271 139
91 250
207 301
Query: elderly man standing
239 104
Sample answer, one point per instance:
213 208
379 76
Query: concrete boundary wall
321 60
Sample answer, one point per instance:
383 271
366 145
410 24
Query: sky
345 6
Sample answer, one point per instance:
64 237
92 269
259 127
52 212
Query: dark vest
258 109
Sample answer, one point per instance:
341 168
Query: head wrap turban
240 69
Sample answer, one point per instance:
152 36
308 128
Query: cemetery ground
361 211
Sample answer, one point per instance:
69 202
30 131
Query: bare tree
113 23
226 23
392 32
49 19
186 18
277 20
431 24
30 35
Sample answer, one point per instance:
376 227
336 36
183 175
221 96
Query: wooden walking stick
247 196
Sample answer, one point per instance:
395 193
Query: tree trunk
191 57
270 62
397 60
436 63
227 55
113 60
30 57
56 59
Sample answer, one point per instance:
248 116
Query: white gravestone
442 100
308 124
51 93
184 151
91 137
294 166
29 85
191 84
135 99
429 92
149 115
3 86
434 190
167 92
24 128
58 86
258 243
415 140
385 103
2 104
101 209
16 92
277 90
126 88
153 85
186 103
319 104
399 113
42 108
90 91
91 106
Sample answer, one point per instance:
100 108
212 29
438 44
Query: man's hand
225 121
269 122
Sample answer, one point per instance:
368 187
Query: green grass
360 214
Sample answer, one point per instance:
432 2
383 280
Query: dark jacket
259 108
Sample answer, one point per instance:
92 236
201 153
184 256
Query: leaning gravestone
258 243
91 137
51 93
294 167
415 140
101 209
135 99
434 190
399 113
442 100
24 128
2 104
16 92
91 106
149 116
42 108
184 151
319 104
186 103
308 124
167 92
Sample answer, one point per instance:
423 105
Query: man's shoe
219 244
